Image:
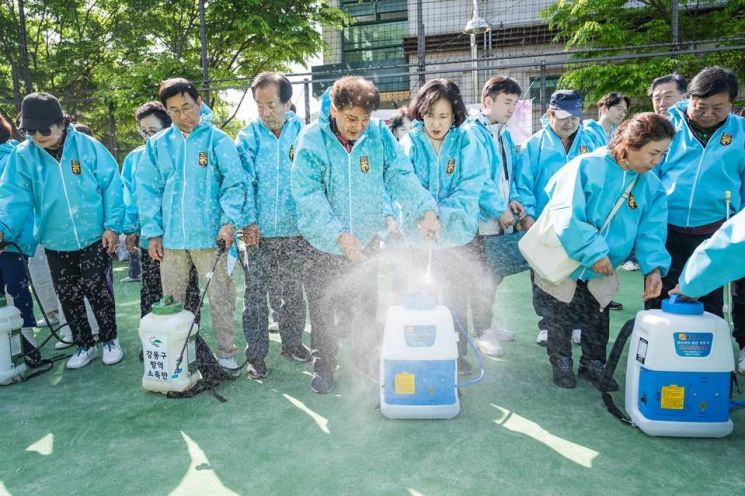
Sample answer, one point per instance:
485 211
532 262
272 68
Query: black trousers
342 300
275 267
151 289
560 318
81 274
681 247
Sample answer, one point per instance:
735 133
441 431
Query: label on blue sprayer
693 344
420 335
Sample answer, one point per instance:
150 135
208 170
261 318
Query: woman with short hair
582 196
451 165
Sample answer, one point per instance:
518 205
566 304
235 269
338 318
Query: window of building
377 31
535 89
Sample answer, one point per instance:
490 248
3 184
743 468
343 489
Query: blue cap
677 306
566 103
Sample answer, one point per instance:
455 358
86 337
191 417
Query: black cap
566 103
40 111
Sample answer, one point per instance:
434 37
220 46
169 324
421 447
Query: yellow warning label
404 383
672 397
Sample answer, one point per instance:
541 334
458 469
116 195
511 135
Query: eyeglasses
43 132
186 109
147 132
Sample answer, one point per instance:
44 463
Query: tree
103 58
605 26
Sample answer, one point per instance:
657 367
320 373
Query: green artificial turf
95 431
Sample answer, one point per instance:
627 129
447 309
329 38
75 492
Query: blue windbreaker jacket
454 177
267 161
73 201
188 188
582 195
339 192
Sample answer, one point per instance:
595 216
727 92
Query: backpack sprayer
169 331
679 372
18 352
419 358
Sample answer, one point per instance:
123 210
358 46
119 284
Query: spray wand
728 286
208 276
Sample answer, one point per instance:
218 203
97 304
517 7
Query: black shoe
464 368
322 382
298 352
615 305
256 370
564 373
594 373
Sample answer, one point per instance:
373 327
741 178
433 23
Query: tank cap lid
419 300
167 306
677 306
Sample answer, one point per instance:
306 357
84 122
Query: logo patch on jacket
451 166
726 139
75 166
632 202
203 159
583 149
292 152
364 164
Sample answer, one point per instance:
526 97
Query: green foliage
611 28
103 58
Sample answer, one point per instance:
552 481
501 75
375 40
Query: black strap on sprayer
610 368
32 357
212 372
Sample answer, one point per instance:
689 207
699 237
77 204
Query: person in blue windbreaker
582 196
499 206
714 263
13 278
344 165
71 183
612 109
561 139
275 252
151 118
191 190
705 163
451 165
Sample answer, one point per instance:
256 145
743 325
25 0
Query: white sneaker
488 344
576 336
741 363
82 357
66 334
112 352
229 365
542 338
504 335
53 320
630 265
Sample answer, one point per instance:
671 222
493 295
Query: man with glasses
151 118
190 191
71 183
706 160
561 139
